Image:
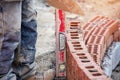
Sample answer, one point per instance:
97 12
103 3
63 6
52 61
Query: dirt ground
45 56
45 47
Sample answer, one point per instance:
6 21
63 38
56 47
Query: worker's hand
66 5
80 0
113 1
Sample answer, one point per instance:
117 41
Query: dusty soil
45 47
91 8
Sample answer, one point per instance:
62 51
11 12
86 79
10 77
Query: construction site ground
45 56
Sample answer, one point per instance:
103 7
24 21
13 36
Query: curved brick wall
80 64
86 46
102 32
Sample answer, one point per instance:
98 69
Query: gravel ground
45 47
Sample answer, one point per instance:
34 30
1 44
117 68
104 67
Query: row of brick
94 27
99 34
80 64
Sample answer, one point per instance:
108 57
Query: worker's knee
29 34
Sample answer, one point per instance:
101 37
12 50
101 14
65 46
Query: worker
18 36
17 29
17 26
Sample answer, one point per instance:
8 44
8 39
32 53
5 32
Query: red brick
94 48
94 39
113 27
109 41
92 23
116 35
107 24
87 34
102 32
77 46
105 33
87 24
73 25
95 51
96 31
100 21
119 32
84 69
80 64
98 40
74 35
103 21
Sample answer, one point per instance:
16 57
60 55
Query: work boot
34 78
48 75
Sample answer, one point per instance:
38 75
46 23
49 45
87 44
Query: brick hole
90 46
95 49
96 46
80 54
89 67
74 22
77 45
75 42
83 57
78 48
74 37
95 53
93 70
96 32
85 61
74 27
89 49
103 31
97 74
74 34
92 40
86 33
95 58
98 40
73 72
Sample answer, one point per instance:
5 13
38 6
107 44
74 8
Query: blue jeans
18 37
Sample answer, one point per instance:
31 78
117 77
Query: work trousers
17 39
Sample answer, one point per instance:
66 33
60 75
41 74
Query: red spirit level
60 46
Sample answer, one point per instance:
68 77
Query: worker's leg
26 51
10 21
